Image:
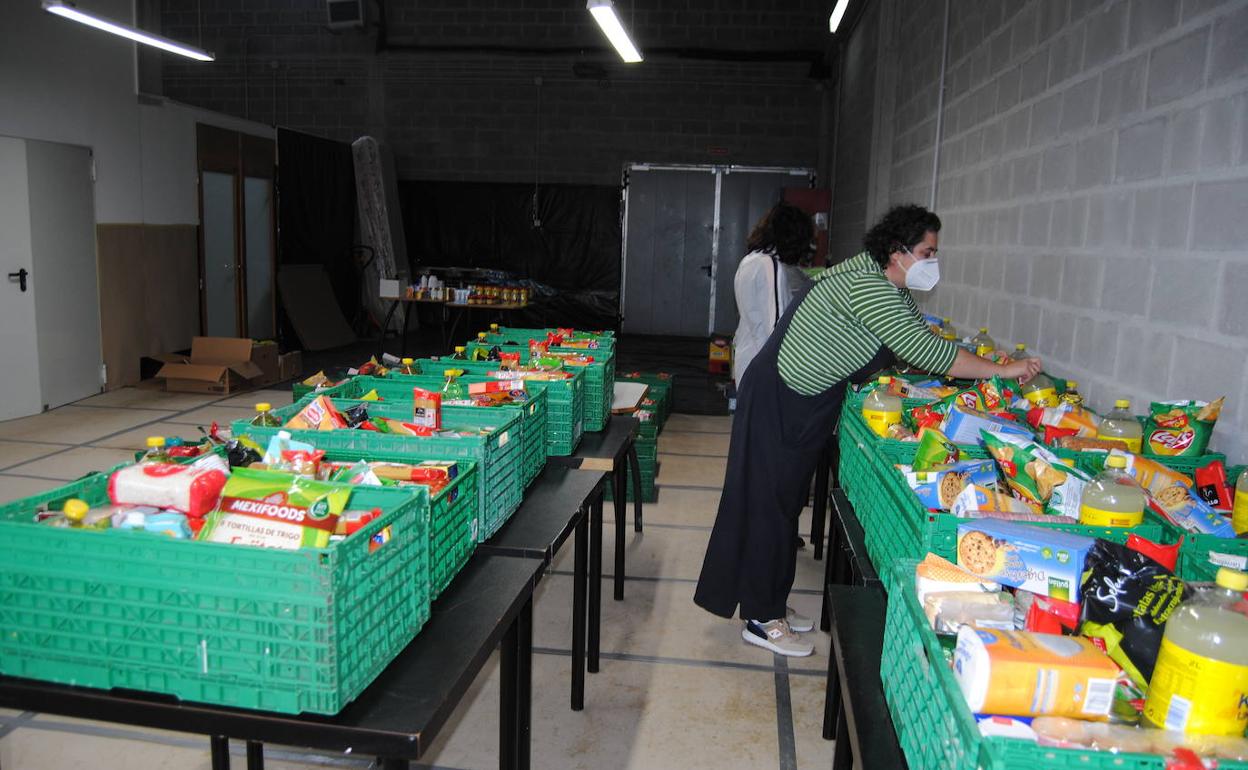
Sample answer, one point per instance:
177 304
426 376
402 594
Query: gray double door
685 229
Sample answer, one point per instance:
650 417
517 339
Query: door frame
719 170
241 156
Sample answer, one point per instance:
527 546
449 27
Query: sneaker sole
767 644
802 629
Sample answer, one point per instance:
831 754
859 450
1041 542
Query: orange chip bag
320 414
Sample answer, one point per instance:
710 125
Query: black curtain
316 210
574 247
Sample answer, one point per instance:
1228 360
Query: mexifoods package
275 510
189 489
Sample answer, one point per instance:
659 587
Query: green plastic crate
498 455
934 726
896 526
1201 555
515 335
259 628
565 401
599 380
394 390
662 391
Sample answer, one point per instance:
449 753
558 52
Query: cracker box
1044 561
963 425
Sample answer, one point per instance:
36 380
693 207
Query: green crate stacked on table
1201 555
259 628
511 335
391 389
565 399
599 379
935 727
661 392
497 454
647 446
895 523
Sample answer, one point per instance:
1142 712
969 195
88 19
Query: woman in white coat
768 278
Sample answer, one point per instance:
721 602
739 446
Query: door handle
707 268
20 278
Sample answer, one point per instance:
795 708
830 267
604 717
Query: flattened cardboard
216 365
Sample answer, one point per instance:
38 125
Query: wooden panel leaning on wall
149 294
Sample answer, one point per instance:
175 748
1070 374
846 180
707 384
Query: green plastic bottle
453 389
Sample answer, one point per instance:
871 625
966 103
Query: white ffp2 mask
923 275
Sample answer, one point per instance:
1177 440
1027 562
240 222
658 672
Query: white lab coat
764 287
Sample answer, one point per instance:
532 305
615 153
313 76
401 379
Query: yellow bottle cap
481 335
1122 403
1232 579
885 380
450 372
76 510
408 361
493 327
1020 346
1071 385
1115 461
460 348
983 330
947 320
263 407
155 441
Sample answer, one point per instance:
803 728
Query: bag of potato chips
1180 428
1036 474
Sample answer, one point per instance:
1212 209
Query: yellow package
1023 674
1155 477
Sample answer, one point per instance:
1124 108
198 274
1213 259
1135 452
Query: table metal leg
407 318
579 579
824 621
635 468
524 687
619 490
832 696
508 697
819 509
595 583
385 327
219 745
842 752
255 755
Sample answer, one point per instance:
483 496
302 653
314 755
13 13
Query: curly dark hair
785 231
902 226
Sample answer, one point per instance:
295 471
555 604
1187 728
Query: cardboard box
216 365
264 355
290 365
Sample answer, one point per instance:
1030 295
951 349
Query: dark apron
777 436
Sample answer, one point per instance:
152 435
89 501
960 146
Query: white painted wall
64 82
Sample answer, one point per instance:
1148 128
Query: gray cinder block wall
1093 184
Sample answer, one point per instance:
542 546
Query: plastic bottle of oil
1039 390
1239 515
458 355
1072 396
1021 352
946 329
265 418
1201 676
453 389
482 351
156 451
984 345
880 408
1120 425
1112 498
406 366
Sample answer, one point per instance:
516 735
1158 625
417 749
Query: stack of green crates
599 379
565 400
647 445
394 390
257 628
661 392
497 453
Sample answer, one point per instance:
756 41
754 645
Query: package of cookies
1036 474
1180 428
963 426
1153 476
976 501
938 487
1184 508
1044 561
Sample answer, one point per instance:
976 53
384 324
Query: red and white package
193 491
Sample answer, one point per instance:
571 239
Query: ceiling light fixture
838 13
68 11
604 13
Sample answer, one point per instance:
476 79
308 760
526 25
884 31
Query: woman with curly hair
767 279
857 318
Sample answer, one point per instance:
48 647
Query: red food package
1052 434
1165 555
926 417
1212 486
1052 616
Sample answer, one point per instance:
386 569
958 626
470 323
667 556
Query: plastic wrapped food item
948 611
1036 474
275 510
320 414
1180 428
193 491
936 574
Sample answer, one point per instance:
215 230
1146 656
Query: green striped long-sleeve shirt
849 313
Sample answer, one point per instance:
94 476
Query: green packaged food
1180 428
275 510
1036 474
934 449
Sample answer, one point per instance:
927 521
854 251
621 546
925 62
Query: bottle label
1042 396
1196 694
1099 517
1239 514
984 351
879 421
1133 444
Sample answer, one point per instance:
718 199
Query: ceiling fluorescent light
604 13
838 13
67 10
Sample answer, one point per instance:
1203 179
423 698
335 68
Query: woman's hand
1023 370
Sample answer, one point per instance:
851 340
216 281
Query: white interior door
19 347
64 278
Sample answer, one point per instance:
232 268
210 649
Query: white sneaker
798 622
775 635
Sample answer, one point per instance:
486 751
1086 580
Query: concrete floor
678 687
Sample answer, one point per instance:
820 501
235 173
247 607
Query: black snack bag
1127 598
240 456
356 415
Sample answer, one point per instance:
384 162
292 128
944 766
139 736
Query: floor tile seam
61 444
695 487
117 433
33 476
704 456
9 724
237 748
785 737
698 432
633 657
662 579
131 408
51 453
